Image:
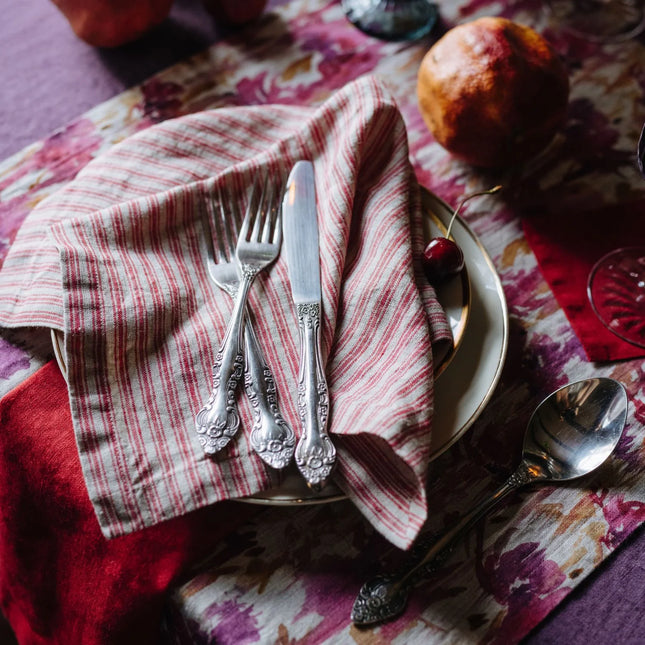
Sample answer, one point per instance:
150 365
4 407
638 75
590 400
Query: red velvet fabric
61 581
567 245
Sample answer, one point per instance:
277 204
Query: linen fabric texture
117 261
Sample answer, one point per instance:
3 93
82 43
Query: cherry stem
490 191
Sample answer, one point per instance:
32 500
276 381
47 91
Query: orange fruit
493 92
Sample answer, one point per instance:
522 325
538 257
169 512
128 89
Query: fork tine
229 228
244 229
236 216
246 222
260 209
215 229
277 231
269 217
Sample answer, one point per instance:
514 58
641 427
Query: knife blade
315 454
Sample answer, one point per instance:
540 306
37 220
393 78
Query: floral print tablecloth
291 574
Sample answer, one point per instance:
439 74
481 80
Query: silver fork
258 246
271 436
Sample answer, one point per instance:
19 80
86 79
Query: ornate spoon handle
272 437
315 453
218 421
385 596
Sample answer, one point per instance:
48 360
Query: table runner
544 352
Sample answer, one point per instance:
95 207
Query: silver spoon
570 434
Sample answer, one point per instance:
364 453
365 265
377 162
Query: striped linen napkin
116 260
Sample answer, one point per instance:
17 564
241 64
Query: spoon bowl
570 434
575 429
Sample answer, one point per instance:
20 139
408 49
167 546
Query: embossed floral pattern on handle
219 420
272 437
315 453
385 596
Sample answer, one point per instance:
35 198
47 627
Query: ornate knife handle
315 453
272 437
219 420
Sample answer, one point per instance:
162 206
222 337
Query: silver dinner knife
315 454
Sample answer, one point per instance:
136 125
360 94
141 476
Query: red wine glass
616 290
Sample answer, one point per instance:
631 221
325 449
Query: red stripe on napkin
62 581
567 245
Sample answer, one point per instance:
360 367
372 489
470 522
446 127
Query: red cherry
442 259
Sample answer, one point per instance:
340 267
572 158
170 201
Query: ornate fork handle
315 454
219 420
272 437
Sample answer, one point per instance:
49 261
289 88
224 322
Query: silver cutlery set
233 264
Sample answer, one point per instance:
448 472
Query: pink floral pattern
291 574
